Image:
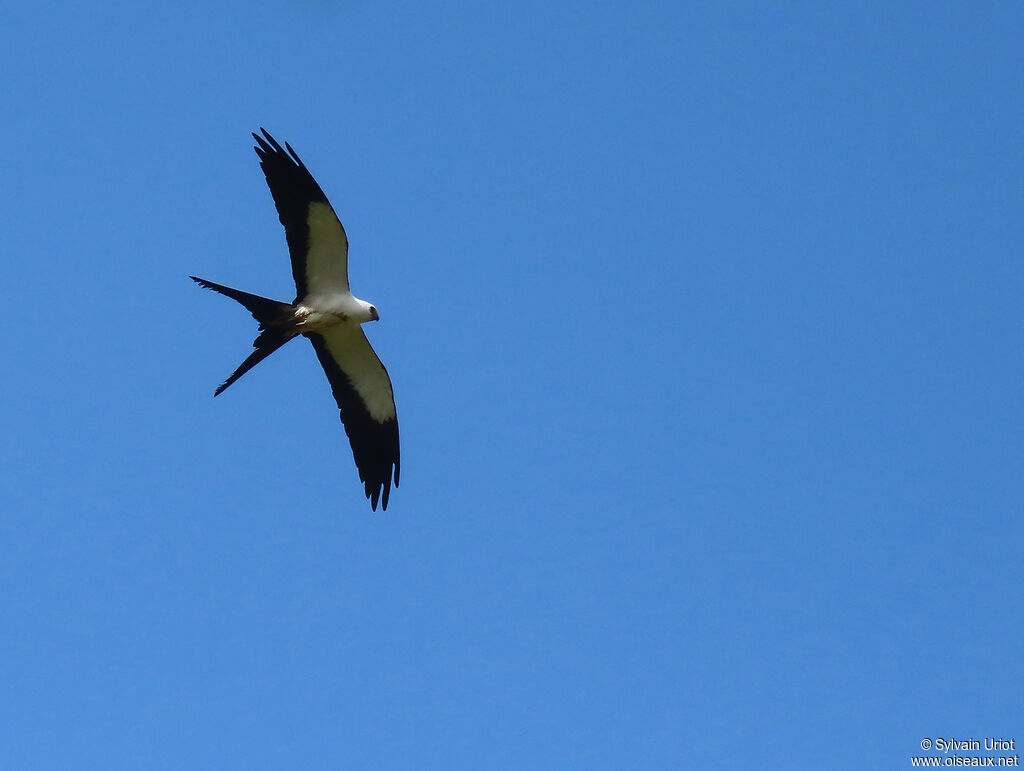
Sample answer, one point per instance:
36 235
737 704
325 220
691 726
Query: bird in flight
327 314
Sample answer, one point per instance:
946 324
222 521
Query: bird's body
320 312
328 314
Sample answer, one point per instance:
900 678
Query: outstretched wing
316 239
362 389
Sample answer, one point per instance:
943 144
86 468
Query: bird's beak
376 316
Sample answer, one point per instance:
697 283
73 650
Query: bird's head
369 312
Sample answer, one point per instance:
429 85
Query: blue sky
704 322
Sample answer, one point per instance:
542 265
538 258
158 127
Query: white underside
330 310
319 312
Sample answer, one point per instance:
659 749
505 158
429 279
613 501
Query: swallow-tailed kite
325 312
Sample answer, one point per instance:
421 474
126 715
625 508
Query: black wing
362 389
317 241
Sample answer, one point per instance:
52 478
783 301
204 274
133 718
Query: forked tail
273 317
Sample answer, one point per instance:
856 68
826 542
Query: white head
367 312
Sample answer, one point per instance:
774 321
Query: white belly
315 313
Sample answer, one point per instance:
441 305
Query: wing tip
267 145
380 491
